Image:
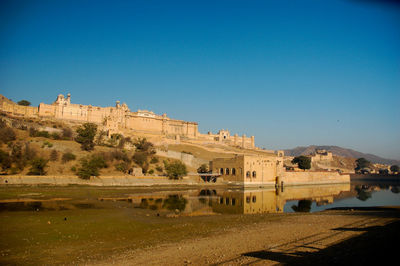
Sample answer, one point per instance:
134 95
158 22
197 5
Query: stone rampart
303 178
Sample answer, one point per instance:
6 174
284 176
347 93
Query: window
247 199
227 171
248 174
227 201
221 200
254 174
233 171
221 171
254 199
233 201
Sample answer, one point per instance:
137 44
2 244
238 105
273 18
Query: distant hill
339 151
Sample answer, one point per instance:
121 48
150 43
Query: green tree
175 170
24 103
38 166
144 150
303 162
141 144
202 169
90 166
85 137
394 168
362 163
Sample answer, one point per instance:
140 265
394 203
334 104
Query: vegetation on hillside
85 137
175 170
304 162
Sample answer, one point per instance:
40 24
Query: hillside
339 151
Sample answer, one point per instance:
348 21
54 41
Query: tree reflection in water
302 206
362 193
175 202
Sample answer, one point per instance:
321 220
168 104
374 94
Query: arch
254 174
227 171
248 174
233 171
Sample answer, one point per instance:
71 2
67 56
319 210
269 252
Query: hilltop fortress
119 119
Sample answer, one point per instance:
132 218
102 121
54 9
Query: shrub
120 156
151 171
66 133
303 162
122 167
90 166
43 134
53 155
86 134
159 169
5 160
38 166
68 156
202 169
7 134
48 144
175 170
154 160
24 103
55 136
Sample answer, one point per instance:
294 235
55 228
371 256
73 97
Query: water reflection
302 206
222 201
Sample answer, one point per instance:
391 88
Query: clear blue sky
292 73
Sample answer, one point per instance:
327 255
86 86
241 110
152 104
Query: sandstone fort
120 119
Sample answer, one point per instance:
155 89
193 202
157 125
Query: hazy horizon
291 73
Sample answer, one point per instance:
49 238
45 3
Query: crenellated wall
118 119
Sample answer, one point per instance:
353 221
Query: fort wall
119 119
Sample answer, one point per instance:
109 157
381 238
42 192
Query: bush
43 134
202 169
159 169
53 155
7 134
86 134
38 166
120 156
68 156
303 162
48 144
24 103
154 160
175 170
122 167
151 171
90 166
66 133
55 136
5 160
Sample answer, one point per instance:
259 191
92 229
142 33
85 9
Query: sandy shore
322 238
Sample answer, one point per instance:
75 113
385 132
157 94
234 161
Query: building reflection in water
249 201
239 201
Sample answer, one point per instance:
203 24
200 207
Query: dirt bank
331 237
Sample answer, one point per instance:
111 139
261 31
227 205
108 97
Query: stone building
119 119
321 155
249 169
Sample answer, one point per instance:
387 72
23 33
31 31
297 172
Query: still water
198 202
